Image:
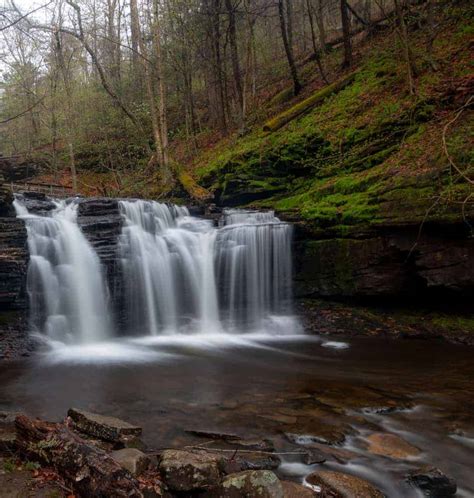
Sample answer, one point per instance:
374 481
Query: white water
67 293
180 275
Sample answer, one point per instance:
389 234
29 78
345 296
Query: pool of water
259 386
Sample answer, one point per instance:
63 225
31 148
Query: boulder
294 490
135 461
342 485
102 427
391 445
433 482
186 471
252 484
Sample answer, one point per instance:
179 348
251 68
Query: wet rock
329 437
293 490
311 457
233 440
252 484
391 445
185 471
135 461
100 426
240 461
343 485
433 482
225 436
37 203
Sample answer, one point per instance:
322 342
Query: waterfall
183 274
180 274
65 284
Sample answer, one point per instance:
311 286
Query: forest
236 248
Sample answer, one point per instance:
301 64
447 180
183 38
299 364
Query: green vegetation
367 155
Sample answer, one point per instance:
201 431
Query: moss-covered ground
370 154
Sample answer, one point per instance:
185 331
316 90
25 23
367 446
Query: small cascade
254 266
65 284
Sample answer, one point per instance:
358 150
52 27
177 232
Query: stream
210 343
255 387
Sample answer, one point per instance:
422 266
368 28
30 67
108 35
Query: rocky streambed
302 417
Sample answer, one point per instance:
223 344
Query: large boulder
102 427
187 471
342 485
252 484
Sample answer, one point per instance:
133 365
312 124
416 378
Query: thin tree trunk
70 117
156 38
288 49
407 54
346 33
317 53
234 55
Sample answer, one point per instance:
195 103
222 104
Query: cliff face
398 263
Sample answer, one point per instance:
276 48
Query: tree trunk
288 48
321 26
346 33
234 55
135 31
317 53
165 159
407 53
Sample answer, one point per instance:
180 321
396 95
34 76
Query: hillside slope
380 180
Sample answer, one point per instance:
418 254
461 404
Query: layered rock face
101 222
13 267
398 262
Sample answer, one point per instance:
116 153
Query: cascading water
66 288
182 274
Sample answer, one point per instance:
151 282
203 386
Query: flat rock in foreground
103 427
343 485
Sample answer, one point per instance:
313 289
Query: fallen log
89 470
306 105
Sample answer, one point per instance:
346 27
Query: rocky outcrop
13 263
13 267
392 262
101 222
